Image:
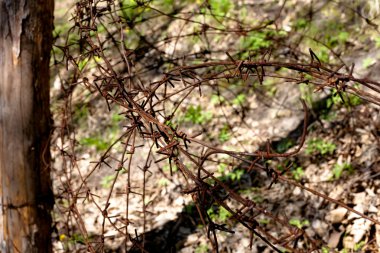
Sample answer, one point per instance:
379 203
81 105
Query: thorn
314 56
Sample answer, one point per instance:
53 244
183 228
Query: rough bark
25 184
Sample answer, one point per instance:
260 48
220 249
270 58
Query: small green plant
222 168
358 246
170 123
264 221
239 100
339 168
82 64
224 214
340 39
219 214
255 41
334 99
224 134
69 241
377 42
201 248
301 23
329 115
258 198
96 141
299 223
215 99
195 115
284 145
166 168
325 249
269 86
348 99
221 7
116 118
253 193
236 174
368 62
100 139
307 93
81 112
320 146
190 209
354 100
298 173
107 181
77 238
163 182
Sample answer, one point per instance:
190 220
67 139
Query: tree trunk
25 184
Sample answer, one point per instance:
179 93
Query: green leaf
239 100
82 64
222 168
215 99
224 134
224 214
299 223
359 245
236 175
221 7
339 168
298 173
320 146
301 23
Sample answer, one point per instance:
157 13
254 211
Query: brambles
178 105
